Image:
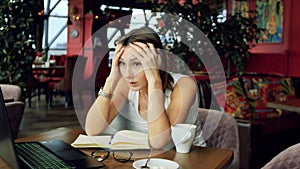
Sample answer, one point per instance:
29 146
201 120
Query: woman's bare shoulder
186 83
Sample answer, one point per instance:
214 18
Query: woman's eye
137 64
121 63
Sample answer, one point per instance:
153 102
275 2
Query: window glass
57 29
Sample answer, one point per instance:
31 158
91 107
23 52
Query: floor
41 118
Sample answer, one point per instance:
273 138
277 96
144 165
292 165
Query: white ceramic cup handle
186 137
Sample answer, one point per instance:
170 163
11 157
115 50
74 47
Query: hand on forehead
138 49
144 52
143 48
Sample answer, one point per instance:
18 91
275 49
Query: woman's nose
129 72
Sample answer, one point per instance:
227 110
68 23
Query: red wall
81 45
283 57
74 45
268 63
294 40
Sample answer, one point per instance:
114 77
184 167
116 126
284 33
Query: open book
122 140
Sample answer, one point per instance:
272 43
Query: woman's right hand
115 73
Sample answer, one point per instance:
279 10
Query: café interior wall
294 41
284 57
81 45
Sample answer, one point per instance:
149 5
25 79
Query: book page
122 140
84 141
127 139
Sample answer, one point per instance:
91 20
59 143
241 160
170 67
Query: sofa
247 95
263 131
14 105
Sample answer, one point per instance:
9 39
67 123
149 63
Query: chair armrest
8 100
15 112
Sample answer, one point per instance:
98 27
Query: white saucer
156 163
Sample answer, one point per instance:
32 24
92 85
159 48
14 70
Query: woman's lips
132 84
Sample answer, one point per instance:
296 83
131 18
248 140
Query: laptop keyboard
39 157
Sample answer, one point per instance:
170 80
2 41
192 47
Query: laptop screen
7 147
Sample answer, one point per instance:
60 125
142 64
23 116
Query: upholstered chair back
220 131
15 107
288 158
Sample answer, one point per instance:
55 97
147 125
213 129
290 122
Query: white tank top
139 124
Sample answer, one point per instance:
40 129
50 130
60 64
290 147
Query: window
55 30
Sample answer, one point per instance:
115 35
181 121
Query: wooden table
291 105
199 157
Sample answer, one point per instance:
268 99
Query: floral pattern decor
270 17
236 102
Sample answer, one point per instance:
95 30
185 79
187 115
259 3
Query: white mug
183 136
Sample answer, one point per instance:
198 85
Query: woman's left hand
147 55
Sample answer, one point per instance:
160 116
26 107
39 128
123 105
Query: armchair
15 107
220 130
288 158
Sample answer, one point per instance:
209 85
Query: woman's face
132 70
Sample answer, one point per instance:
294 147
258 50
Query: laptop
19 156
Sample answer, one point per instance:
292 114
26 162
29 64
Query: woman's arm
160 120
104 109
183 96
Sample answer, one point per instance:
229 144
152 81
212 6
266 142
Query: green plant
231 38
17 39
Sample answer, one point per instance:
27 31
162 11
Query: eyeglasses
120 156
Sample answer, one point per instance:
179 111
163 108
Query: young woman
138 76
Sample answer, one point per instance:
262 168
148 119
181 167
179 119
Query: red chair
64 86
59 60
34 82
